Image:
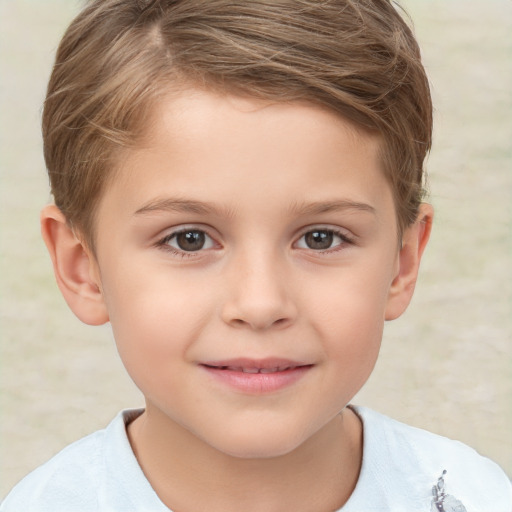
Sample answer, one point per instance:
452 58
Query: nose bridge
259 292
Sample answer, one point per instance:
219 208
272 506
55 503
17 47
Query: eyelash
344 240
342 235
164 243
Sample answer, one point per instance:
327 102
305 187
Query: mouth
257 376
253 369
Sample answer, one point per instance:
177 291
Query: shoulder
416 461
74 478
54 485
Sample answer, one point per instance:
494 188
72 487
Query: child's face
248 236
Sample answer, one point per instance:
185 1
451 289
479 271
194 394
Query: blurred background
445 366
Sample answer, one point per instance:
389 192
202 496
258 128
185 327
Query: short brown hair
358 58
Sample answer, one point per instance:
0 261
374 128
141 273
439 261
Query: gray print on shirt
443 502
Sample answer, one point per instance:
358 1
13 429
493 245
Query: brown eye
190 240
319 239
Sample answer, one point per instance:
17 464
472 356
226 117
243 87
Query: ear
75 268
414 241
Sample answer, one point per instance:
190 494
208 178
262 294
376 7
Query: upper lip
248 365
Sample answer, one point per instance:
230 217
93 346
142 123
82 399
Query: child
238 192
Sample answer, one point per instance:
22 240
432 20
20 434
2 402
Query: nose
259 294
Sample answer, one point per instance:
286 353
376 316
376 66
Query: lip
256 376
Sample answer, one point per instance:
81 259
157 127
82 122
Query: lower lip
258 383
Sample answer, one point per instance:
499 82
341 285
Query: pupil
190 240
319 239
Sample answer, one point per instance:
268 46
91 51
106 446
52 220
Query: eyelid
163 241
209 242
346 237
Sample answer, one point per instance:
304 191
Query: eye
188 240
322 240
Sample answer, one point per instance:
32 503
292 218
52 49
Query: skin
256 180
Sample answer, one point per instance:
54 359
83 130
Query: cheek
153 319
354 340
350 319
350 299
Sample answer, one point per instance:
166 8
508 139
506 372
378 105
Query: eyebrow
332 206
178 205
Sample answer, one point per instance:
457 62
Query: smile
253 369
257 377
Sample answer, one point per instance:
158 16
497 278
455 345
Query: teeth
270 370
251 370
255 370
264 370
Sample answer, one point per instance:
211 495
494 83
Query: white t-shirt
404 469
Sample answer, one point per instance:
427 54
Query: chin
258 445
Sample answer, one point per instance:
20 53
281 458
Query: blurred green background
445 366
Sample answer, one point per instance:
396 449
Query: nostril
258 309
260 325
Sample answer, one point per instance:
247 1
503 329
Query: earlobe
75 268
414 242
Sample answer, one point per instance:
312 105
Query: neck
190 475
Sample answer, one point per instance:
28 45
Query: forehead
213 146
193 111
